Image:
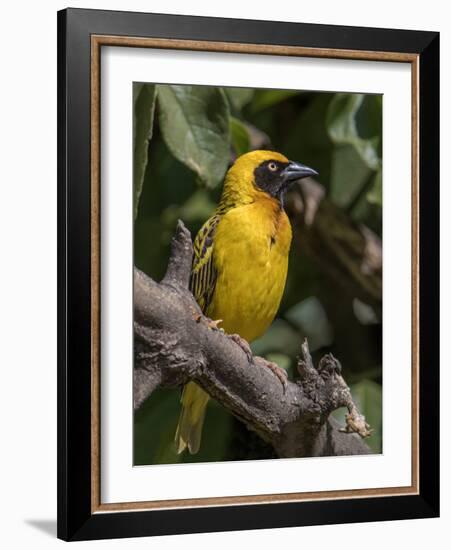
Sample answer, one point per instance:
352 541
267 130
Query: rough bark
175 343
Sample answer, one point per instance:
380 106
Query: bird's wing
204 274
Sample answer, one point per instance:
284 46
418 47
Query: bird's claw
281 374
243 345
214 325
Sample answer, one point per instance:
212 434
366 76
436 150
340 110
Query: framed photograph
248 274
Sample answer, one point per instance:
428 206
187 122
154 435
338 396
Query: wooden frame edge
415 254
95 276
227 47
249 48
252 499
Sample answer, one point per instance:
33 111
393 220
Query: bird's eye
272 166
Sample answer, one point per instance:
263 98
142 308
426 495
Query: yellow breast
251 247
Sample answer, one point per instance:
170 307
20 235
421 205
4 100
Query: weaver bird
240 264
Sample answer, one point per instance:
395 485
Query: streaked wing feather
204 274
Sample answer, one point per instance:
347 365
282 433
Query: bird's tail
189 429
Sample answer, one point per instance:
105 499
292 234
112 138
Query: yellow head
258 174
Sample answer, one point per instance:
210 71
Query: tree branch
174 343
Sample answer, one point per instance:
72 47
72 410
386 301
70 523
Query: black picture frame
76 520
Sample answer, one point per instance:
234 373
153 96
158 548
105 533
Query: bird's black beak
296 171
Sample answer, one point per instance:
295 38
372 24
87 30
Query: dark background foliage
185 137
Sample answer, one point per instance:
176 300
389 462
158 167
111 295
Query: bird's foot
214 325
281 373
243 345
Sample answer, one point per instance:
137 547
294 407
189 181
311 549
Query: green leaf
137 87
239 97
194 122
305 139
279 338
154 429
342 127
216 435
349 174
364 313
374 196
144 107
239 136
369 118
311 319
198 208
267 98
282 360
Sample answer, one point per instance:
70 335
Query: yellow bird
240 263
